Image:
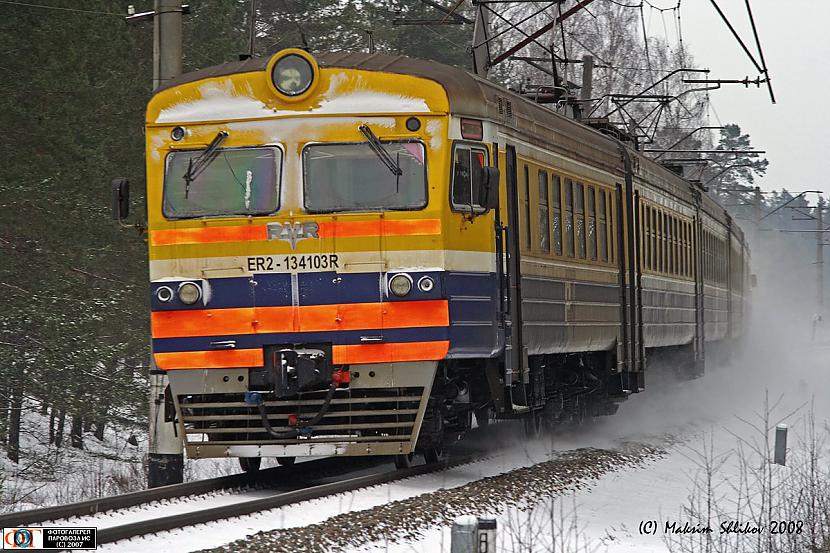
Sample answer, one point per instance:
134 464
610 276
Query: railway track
270 489
310 469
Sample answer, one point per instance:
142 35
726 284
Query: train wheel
404 461
286 461
434 454
250 464
533 425
484 415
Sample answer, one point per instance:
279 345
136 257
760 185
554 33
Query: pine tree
74 287
731 178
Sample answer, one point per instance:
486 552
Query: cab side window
467 165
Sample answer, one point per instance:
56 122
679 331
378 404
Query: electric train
357 254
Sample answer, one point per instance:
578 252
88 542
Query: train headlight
189 293
400 284
426 284
292 73
164 294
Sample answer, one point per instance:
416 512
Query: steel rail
199 487
279 499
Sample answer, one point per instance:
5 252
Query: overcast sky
796 42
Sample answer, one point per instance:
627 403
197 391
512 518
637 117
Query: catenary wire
59 8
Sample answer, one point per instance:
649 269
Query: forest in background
74 324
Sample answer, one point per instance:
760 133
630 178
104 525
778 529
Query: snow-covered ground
372 500
47 475
710 422
714 424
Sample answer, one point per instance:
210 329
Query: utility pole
481 50
167 41
166 460
167 37
252 30
371 41
820 257
756 216
587 90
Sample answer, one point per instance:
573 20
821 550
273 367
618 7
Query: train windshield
233 181
353 177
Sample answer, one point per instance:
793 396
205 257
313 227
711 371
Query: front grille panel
362 415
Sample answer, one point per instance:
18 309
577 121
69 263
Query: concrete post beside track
820 258
464 534
780 457
166 460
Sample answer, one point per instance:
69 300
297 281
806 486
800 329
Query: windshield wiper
379 150
195 167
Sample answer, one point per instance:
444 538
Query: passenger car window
569 217
603 228
647 237
591 222
528 235
544 220
556 203
579 203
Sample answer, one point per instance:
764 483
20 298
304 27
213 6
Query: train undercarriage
292 408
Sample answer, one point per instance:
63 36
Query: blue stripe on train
274 290
471 297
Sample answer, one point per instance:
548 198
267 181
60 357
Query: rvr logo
292 232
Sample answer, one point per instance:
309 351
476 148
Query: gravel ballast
406 519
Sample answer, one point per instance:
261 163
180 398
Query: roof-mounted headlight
293 74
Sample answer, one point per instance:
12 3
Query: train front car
298 264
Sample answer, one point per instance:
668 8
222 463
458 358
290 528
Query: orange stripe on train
310 318
390 353
222 359
208 235
348 354
326 229
378 227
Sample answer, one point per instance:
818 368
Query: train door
515 356
499 248
360 274
730 286
699 341
342 274
631 351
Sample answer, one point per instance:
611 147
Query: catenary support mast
165 463
820 258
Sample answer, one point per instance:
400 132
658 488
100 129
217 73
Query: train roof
461 86
473 96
